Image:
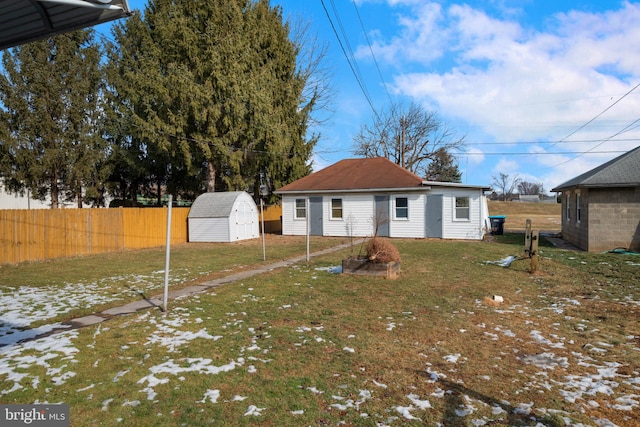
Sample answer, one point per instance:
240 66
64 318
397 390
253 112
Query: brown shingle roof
356 174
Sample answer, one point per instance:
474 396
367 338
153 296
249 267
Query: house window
568 205
578 210
336 208
402 208
301 209
462 208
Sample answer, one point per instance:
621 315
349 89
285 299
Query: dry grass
543 216
329 349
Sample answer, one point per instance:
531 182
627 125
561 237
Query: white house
223 217
367 196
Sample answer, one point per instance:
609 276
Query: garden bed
362 266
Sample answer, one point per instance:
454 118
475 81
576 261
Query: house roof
215 205
356 174
363 174
623 171
23 21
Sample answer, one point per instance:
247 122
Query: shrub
381 251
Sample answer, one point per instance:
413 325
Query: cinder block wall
613 219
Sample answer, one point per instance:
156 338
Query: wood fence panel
40 234
272 219
106 231
147 227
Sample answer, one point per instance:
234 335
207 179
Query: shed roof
215 205
23 21
356 174
623 171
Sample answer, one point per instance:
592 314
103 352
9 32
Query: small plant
381 251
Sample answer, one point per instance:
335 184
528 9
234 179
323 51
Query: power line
585 141
540 153
599 114
375 61
630 126
350 59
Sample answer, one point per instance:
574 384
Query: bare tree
530 188
409 136
506 184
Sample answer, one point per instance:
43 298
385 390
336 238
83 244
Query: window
301 209
568 205
336 208
578 210
462 208
402 208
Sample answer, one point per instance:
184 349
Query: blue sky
541 89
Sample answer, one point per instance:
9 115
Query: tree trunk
54 193
211 177
79 195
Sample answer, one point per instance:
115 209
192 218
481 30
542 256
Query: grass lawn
307 346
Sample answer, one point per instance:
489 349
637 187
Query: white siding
292 226
357 216
208 229
412 227
462 229
359 210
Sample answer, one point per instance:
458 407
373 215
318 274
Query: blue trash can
497 224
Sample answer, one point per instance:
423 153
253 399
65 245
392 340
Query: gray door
315 216
382 219
434 216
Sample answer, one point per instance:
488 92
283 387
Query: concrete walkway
158 300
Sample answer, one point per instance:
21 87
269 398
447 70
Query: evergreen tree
212 88
50 97
443 168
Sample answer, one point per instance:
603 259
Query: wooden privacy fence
40 234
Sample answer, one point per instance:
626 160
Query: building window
402 208
336 208
578 210
568 205
301 209
462 208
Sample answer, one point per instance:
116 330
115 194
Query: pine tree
50 97
212 88
443 168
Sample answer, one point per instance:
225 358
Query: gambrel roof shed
223 217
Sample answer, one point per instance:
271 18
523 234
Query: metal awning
23 21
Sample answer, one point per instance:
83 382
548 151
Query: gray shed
223 217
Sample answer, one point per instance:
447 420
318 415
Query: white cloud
517 83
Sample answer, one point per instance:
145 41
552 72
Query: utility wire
598 115
349 61
375 61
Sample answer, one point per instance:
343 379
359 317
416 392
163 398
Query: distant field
543 216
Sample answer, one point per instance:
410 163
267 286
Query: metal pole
264 251
306 208
168 253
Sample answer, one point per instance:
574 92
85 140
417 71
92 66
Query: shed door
382 218
243 221
315 216
433 220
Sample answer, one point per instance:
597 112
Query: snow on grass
22 306
53 354
600 384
